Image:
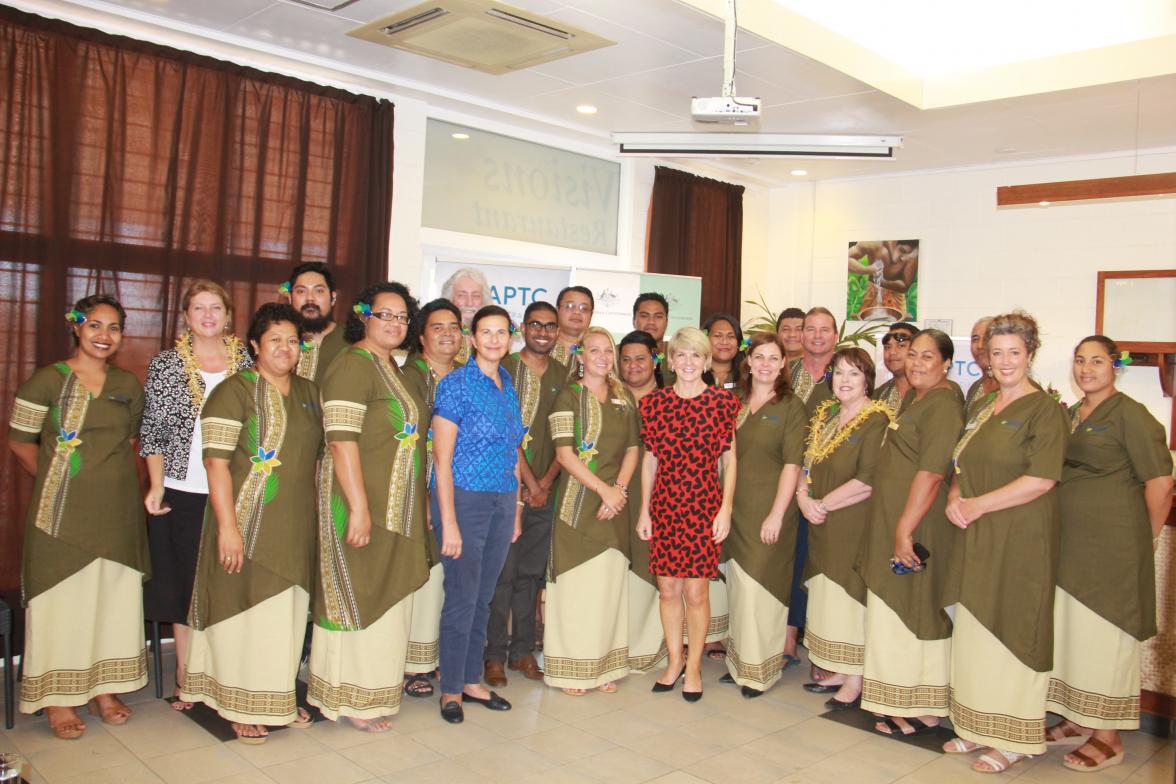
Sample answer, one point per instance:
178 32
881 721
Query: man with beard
575 305
312 293
538 382
469 290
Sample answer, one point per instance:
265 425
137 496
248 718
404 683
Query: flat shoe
998 761
820 688
493 702
789 661
1064 734
835 704
115 716
918 727
1087 763
304 721
750 693
728 678
452 712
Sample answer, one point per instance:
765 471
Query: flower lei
233 346
825 437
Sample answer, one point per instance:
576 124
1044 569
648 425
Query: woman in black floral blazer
178 382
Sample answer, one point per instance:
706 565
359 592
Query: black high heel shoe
661 688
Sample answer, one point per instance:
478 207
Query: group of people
412 486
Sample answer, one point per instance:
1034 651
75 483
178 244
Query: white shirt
196 480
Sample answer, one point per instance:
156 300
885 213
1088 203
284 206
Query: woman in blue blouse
477 431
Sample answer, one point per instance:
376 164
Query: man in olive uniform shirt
312 293
896 345
538 380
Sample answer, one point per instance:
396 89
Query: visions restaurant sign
484 183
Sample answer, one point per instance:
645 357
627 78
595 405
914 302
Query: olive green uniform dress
317 357
424 650
1105 603
1002 644
811 391
647 641
835 622
85 544
908 632
586 617
888 394
248 628
759 576
363 605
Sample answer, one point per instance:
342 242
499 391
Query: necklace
187 354
825 436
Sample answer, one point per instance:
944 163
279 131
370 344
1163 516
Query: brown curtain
130 169
696 228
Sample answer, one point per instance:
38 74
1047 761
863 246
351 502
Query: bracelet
520 503
821 507
623 488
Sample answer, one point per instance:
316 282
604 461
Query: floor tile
621 766
131 773
153 732
330 767
450 741
389 755
737 766
504 762
281 746
197 766
91 752
564 745
674 747
443 771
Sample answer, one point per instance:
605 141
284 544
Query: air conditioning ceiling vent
480 34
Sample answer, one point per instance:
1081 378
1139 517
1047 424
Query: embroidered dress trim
975 423
402 489
997 725
802 382
586 669
238 700
354 697
69 682
220 434
342 607
343 416
1087 703
588 424
69 415
905 697
264 439
839 652
528 386
28 417
763 672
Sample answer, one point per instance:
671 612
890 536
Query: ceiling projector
726 109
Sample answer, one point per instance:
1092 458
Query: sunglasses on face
901 340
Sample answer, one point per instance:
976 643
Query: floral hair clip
514 329
1123 360
75 316
659 358
745 344
576 350
362 309
284 288
465 330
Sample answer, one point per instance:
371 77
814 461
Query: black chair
9 671
157 659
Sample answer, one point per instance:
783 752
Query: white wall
975 259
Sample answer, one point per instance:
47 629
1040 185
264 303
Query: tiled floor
549 738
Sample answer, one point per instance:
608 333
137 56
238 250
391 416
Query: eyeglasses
576 307
546 326
901 340
387 315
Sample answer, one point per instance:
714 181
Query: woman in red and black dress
689 434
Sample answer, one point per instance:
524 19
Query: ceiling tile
206 13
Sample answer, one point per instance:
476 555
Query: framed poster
883 280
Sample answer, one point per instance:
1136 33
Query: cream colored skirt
423 648
84 637
361 673
586 624
902 675
1095 680
834 628
759 629
647 641
720 619
245 667
995 699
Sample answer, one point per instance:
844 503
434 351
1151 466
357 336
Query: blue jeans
486 521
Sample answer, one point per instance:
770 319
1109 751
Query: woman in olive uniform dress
908 633
1115 495
758 551
1007 464
439 343
840 464
262 435
647 645
373 553
85 545
586 619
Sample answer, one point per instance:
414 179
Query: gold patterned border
73 403
997 725
563 424
836 652
342 606
221 434
343 415
271 435
591 423
308 361
1088 703
402 484
422 652
348 695
28 417
763 673
802 382
649 661
586 669
905 697
34 688
238 700
718 624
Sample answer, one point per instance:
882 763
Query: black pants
174 542
518 588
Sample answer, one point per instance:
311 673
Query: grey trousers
518 588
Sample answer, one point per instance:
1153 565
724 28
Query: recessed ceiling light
799 172
461 136
586 108
1043 204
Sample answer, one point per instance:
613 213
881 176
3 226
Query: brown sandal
1087 764
1064 734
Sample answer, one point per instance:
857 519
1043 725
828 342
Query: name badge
618 402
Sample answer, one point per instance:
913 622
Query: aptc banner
964 370
513 286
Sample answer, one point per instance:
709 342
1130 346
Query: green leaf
75 463
329 625
395 414
55 415
271 488
251 435
339 515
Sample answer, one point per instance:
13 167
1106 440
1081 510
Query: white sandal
998 760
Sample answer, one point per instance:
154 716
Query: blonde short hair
204 285
689 339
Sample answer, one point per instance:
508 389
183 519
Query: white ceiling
667 52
